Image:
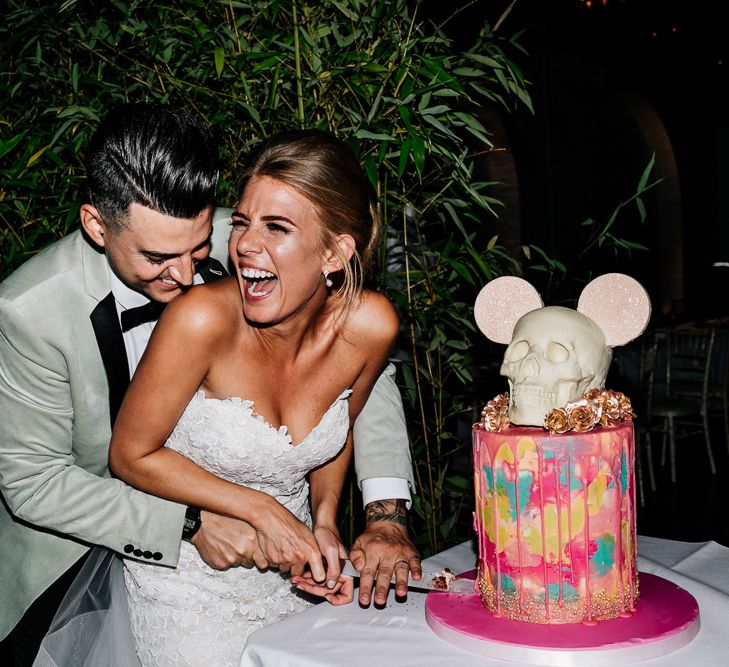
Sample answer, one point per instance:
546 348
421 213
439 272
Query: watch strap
191 523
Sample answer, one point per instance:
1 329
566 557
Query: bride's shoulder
374 316
205 310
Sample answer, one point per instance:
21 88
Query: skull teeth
533 393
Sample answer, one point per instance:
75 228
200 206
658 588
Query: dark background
612 84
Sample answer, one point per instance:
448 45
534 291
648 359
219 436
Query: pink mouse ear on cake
618 304
501 303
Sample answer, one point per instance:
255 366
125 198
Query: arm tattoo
387 510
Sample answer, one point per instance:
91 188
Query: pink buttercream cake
555 521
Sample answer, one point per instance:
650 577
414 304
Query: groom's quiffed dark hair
161 157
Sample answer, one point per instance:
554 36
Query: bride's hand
341 593
339 588
286 542
332 550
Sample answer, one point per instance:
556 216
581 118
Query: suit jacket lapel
105 323
111 346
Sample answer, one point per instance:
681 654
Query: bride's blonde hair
323 169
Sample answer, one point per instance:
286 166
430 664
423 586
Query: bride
243 402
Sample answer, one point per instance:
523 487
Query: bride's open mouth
258 283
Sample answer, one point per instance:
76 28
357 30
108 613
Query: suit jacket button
147 554
128 548
157 555
138 552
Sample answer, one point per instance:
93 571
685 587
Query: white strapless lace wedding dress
194 615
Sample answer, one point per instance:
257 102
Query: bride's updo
323 169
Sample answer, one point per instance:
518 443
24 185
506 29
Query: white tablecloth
326 636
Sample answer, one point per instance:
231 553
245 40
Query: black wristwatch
192 523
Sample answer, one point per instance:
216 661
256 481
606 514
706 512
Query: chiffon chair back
681 410
642 400
718 385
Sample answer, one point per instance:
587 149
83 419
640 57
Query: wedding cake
554 458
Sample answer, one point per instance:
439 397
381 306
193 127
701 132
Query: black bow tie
133 317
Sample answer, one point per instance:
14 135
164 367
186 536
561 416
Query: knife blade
432 580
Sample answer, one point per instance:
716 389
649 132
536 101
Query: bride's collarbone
295 392
280 397
303 367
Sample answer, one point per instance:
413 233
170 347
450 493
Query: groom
74 322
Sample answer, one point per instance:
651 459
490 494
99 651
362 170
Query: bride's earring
327 281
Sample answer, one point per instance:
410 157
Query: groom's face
156 253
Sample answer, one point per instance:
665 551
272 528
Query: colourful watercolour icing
555 520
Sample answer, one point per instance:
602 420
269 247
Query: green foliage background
378 74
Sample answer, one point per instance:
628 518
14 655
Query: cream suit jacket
55 426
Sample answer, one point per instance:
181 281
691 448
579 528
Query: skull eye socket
516 351
557 353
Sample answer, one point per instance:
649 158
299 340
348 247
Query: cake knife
431 581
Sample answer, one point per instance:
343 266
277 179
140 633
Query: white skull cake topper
556 354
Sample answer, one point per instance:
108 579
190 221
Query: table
326 636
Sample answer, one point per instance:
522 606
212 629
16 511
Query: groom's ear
93 224
334 258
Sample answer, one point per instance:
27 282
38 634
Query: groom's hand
223 543
384 550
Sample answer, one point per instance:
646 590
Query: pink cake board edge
667 619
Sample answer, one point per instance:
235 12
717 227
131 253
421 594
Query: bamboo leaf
419 155
454 216
632 245
460 482
35 156
485 60
219 60
646 173
439 126
371 170
7 146
436 110
461 270
405 115
485 268
447 525
404 157
366 134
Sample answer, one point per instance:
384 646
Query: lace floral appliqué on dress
194 615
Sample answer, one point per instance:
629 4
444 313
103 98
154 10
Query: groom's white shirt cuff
385 488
